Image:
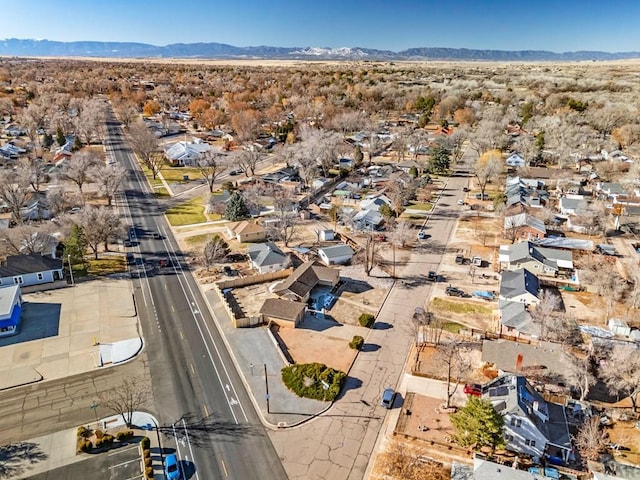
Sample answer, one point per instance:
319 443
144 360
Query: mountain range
48 48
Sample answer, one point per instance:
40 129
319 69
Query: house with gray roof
285 313
532 425
267 257
336 254
305 278
487 470
572 204
186 153
31 269
536 259
367 220
516 321
520 286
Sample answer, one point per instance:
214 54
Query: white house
267 257
326 235
336 254
187 153
617 326
515 160
520 286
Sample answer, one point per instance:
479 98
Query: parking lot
121 464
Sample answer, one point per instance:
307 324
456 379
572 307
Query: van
388 396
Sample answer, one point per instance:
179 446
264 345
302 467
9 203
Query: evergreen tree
413 172
236 208
76 245
47 141
60 138
477 424
440 159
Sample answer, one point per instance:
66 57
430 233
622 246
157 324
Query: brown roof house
306 277
283 312
246 232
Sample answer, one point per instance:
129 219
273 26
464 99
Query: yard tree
334 215
25 239
544 311
126 112
211 165
452 358
579 373
236 208
150 108
99 224
621 372
109 179
287 220
368 256
32 170
477 424
133 394
145 146
247 124
487 168
90 120
14 191
247 160
215 250
440 158
591 440
77 169
76 245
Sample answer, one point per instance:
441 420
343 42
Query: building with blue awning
10 310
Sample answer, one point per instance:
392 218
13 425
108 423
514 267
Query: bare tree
543 312
77 169
211 165
578 374
127 398
287 221
109 178
90 120
99 225
399 462
215 250
25 239
145 146
591 439
368 255
247 160
127 112
32 170
453 359
321 147
14 191
621 372
487 169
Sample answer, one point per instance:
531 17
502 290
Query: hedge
313 380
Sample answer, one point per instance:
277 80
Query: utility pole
70 270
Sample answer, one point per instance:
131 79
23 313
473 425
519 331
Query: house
187 153
529 192
345 163
536 259
375 203
532 425
515 160
297 286
519 357
572 204
320 182
487 470
267 257
336 254
35 207
520 286
284 313
617 326
610 190
246 231
524 226
10 310
516 321
407 165
367 220
31 269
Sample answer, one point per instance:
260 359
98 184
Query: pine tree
440 159
76 245
236 208
60 138
477 424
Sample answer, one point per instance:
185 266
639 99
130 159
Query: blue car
171 467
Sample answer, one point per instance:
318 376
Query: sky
558 26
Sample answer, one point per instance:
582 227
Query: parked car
460 201
465 189
432 276
482 196
131 259
454 291
171 467
473 389
476 261
235 172
156 236
422 235
460 259
388 397
381 237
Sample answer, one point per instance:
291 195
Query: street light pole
94 406
266 382
70 270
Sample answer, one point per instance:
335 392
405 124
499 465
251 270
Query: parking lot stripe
124 463
224 467
123 450
193 370
206 411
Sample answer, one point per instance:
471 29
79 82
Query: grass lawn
187 213
176 174
156 184
458 306
199 239
453 327
420 206
101 267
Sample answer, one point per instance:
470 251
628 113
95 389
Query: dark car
156 236
432 276
473 389
454 291
459 259
131 259
235 172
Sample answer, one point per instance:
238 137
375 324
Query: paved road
340 444
201 403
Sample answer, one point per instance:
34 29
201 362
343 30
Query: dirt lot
428 364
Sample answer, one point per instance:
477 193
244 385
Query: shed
326 235
618 326
336 255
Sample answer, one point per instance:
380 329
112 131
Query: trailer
483 294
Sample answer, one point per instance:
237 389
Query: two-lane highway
201 402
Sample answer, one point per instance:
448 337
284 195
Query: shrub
83 445
99 434
145 443
124 436
147 461
366 320
313 380
356 342
148 471
107 439
146 453
82 432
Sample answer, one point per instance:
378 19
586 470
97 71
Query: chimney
519 363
